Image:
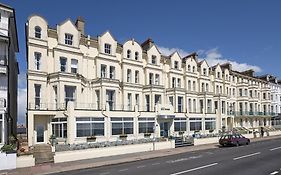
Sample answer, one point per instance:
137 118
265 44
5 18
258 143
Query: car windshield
226 137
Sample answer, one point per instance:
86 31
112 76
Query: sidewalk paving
112 160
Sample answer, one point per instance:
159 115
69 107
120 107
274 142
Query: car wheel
247 143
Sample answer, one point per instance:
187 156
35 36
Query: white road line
104 173
249 155
275 172
155 164
275 148
123 170
194 169
142 166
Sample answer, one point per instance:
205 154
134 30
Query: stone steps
43 154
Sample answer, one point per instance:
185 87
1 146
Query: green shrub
8 148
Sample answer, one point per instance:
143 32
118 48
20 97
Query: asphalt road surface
259 158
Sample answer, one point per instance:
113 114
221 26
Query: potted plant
92 138
9 148
53 140
147 134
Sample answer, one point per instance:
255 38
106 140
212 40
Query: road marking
155 164
275 148
249 155
275 172
194 169
184 159
123 170
142 166
104 173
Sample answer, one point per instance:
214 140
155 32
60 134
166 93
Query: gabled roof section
174 53
190 56
68 20
108 32
147 44
133 40
201 62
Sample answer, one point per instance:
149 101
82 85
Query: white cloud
168 51
21 105
213 57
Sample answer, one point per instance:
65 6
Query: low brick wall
67 156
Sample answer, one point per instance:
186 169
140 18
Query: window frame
37 32
68 39
107 48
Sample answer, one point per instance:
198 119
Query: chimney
80 24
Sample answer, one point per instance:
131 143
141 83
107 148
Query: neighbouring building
81 86
275 86
8 73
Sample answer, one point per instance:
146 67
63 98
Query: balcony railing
250 113
47 106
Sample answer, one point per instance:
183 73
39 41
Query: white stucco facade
79 86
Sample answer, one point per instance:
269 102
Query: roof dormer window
107 48
136 55
128 53
68 39
37 32
188 68
153 60
205 71
176 65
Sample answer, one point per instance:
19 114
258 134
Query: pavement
172 161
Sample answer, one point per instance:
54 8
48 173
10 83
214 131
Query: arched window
193 69
38 32
188 68
136 55
128 53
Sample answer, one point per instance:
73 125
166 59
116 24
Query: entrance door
40 133
164 129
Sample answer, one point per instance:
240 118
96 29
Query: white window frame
129 53
37 57
68 39
37 32
136 55
129 75
107 48
63 66
74 66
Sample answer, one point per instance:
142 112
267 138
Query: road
259 158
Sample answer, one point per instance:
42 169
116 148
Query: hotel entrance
164 129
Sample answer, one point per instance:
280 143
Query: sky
245 33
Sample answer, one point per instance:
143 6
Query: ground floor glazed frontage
80 126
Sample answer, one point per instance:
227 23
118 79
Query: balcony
250 113
46 106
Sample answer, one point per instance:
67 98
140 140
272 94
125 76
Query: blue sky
239 31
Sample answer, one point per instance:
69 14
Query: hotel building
81 86
8 73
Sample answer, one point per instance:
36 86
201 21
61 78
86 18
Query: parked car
233 140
